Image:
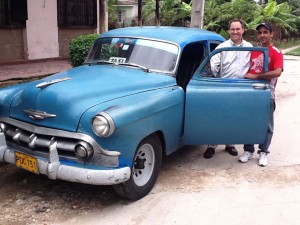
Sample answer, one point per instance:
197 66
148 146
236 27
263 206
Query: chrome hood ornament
47 83
37 115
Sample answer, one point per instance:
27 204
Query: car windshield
148 55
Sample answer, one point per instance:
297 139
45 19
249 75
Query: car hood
64 97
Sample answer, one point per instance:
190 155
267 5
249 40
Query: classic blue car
141 93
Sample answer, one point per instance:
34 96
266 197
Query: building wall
41 42
130 12
41 38
12 45
66 35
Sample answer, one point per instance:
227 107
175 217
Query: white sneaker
263 161
246 156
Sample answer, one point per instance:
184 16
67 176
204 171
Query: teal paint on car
142 92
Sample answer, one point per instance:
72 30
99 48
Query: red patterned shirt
275 61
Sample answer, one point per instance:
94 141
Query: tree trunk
140 3
157 14
103 17
197 13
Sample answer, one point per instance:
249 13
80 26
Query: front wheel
144 171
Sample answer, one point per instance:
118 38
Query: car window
213 45
134 51
224 64
191 57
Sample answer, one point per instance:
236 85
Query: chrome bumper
55 170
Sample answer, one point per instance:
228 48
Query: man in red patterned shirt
264 35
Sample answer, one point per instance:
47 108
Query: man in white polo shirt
230 64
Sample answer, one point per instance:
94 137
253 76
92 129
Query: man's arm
215 64
265 76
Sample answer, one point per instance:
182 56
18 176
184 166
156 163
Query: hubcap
143 164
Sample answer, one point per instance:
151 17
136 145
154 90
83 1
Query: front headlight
103 125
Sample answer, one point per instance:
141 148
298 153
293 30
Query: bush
79 48
224 34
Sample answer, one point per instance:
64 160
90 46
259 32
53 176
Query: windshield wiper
123 64
104 62
135 65
99 62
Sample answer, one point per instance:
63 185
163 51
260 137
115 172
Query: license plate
26 162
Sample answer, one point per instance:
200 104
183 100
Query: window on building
13 13
77 13
119 15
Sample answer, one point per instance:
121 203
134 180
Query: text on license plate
26 162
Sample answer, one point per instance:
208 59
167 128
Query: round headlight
83 151
103 125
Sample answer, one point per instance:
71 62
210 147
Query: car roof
179 35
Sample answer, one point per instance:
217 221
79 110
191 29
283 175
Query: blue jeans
265 146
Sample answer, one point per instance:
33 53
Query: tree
103 19
279 15
112 13
197 13
140 3
218 13
157 16
170 11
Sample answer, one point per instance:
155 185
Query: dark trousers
265 146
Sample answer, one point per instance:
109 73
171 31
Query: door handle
260 86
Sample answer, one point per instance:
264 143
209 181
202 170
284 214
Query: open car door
226 111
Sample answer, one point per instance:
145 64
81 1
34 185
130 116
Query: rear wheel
145 169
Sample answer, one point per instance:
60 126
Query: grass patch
295 52
288 44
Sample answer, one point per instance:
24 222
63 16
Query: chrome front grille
36 140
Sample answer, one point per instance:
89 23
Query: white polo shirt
231 64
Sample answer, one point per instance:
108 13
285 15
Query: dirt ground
30 199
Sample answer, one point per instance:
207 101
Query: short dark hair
236 20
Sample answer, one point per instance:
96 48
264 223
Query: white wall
41 29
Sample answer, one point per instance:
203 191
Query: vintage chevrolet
141 93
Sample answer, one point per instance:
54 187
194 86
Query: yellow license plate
26 162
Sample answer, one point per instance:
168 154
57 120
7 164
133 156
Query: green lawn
295 52
288 44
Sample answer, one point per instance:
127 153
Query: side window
191 57
232 63
213 45
206 71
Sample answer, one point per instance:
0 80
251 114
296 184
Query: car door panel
220 112
226 111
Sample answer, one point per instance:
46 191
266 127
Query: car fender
137 116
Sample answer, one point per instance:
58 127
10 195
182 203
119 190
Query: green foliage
224 34
279 15
295 52
218 13
79 48
170 11
283 16
108 51
112 14
288 43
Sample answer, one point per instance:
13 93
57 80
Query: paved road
32 69
192 190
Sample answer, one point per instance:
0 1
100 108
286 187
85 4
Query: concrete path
32 69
